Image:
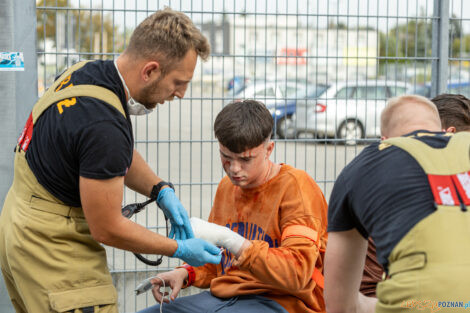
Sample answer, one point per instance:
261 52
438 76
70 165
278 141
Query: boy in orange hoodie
273 219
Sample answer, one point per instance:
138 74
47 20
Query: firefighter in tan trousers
71 163
411 194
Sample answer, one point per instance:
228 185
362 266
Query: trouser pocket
96 299
109 308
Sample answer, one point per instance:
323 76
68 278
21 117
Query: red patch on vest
443 190
462 181
26 134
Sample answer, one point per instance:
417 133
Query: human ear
451 129
151 71
269 149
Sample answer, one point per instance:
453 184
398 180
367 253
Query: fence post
440 47
18 90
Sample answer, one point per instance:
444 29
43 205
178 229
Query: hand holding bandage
217 235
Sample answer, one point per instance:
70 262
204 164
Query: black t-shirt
383 194
89 138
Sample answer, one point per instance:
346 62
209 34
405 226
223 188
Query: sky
383 14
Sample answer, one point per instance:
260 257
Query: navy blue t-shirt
89 138
383 194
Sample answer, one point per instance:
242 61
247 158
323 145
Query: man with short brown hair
72 161
454 111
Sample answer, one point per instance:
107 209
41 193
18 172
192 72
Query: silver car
348 111
279 97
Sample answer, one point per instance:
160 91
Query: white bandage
218 235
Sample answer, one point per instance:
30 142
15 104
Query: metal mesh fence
324 69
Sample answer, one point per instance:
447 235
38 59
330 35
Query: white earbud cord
163 293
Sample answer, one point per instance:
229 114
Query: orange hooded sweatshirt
274 268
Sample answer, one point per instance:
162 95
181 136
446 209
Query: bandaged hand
218 235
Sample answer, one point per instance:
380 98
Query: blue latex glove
174 210
197 252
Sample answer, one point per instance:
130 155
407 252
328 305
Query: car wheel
285 128
305 135
350 131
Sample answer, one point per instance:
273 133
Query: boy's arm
289 266
203 275
373 271
303 227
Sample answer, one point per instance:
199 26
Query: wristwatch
156 189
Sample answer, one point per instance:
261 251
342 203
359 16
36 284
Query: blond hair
397 118
167 36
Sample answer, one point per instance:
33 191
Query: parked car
237 84
347 110
280 97
284 127
454 87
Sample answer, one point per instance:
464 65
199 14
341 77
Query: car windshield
291 90
397 90
421 90
312 91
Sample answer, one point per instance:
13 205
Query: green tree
459 42
412 39
461 47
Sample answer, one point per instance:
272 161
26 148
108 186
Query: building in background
287 47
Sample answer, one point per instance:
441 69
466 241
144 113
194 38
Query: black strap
156 189
88 309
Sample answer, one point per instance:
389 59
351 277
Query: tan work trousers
49 260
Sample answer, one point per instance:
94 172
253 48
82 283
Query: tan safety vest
49 259
429 268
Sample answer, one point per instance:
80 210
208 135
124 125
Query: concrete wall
18 90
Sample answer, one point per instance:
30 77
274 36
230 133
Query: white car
348 111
